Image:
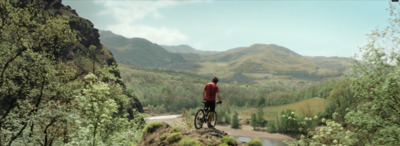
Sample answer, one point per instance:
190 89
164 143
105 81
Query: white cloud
128 12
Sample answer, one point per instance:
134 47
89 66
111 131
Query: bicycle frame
204 118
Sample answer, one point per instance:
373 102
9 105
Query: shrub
235 120
152 126
189 142
228 140
223 144
331 134
253 121
163 137
188 117
176 129
272 127
227 119
174 137
254 142
288 122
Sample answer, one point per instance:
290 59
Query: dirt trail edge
244 131
164 135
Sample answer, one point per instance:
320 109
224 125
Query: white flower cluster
307 118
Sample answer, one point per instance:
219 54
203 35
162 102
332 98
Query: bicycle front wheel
198 119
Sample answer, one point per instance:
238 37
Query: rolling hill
138 51
185 49
243 64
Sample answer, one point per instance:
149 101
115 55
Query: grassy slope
306 107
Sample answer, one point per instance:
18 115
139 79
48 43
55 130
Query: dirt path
244 131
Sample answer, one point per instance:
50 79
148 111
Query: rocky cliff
88 47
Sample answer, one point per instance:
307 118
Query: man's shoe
210 126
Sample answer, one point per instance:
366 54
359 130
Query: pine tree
253 121
235 120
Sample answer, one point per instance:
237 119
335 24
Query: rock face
166 135
88 37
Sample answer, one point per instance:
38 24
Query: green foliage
223 144
254 142
368 102
152 127
223 115
163 137
95 122
257 120
44 99
227 119
261 122
34 88
331 134
228 140
174 137
153 88
340 100
290 123
189 142
176 129
235 120
375 84
272 126
253 121
306 107
261 102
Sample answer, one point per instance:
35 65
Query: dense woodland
60 86
172 91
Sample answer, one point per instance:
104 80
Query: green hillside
138 51
310 106
259 58
258 62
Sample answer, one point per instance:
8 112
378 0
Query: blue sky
308 27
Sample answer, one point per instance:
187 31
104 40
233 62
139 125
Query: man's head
215 80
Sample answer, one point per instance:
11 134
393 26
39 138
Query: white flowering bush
96 118
290 123
331 134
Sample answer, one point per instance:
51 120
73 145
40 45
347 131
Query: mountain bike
202 117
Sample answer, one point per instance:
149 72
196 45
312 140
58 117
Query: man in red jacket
210 91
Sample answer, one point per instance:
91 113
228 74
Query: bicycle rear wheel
214 119
198 119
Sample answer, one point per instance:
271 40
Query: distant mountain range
255 62
138 51
185 49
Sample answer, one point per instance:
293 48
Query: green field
306 107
